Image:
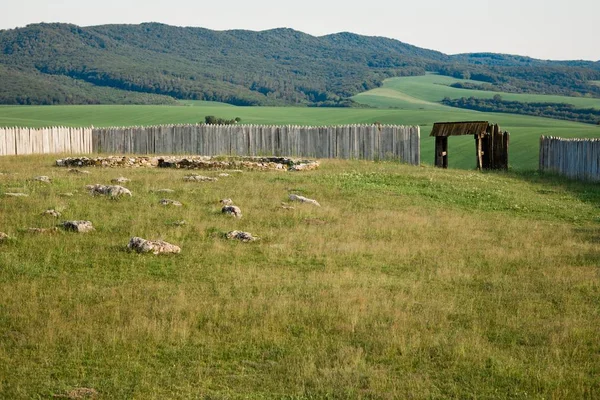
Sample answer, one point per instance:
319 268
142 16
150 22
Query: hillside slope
273 67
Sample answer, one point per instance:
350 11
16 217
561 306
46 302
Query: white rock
302 199
199 178
169 202
16 194
242 236
120 179
43 178
52 213
78 226
232 210
152 246
110 190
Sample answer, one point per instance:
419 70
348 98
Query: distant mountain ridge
156 63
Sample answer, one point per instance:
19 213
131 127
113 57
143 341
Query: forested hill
154 63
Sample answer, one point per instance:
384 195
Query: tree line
562 111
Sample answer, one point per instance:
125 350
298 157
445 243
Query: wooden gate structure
491 144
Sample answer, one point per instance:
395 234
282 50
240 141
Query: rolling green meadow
401 101
408 282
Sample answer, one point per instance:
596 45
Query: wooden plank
3 149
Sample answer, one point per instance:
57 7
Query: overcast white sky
547 29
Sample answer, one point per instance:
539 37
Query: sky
546 29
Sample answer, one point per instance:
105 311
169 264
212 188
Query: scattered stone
3 237
242 236
68 194
304 166
199 178
42 230
16 194
179 223
52 213
232 210
302 199
287 207
226 202
77 171
110 190
155 246
223 174
78 226
169 202
43 178
165 191
120 179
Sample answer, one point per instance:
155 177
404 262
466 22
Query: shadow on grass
586 191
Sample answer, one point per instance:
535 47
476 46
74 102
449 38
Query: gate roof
459 128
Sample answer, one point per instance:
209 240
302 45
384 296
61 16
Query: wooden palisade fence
574 158
371 142
22 141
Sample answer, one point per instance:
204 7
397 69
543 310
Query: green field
407 282
428 90
403 101
202 103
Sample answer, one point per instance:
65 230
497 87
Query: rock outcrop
52 213
302 199
169 202
152 246
232 210
241 236
43 178
110 190
78 226
120 179
16 194
199 178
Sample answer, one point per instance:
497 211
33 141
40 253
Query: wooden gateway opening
491 145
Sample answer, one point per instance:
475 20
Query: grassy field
429 90
408 282
403 101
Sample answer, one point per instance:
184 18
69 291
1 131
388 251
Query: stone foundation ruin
193 162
